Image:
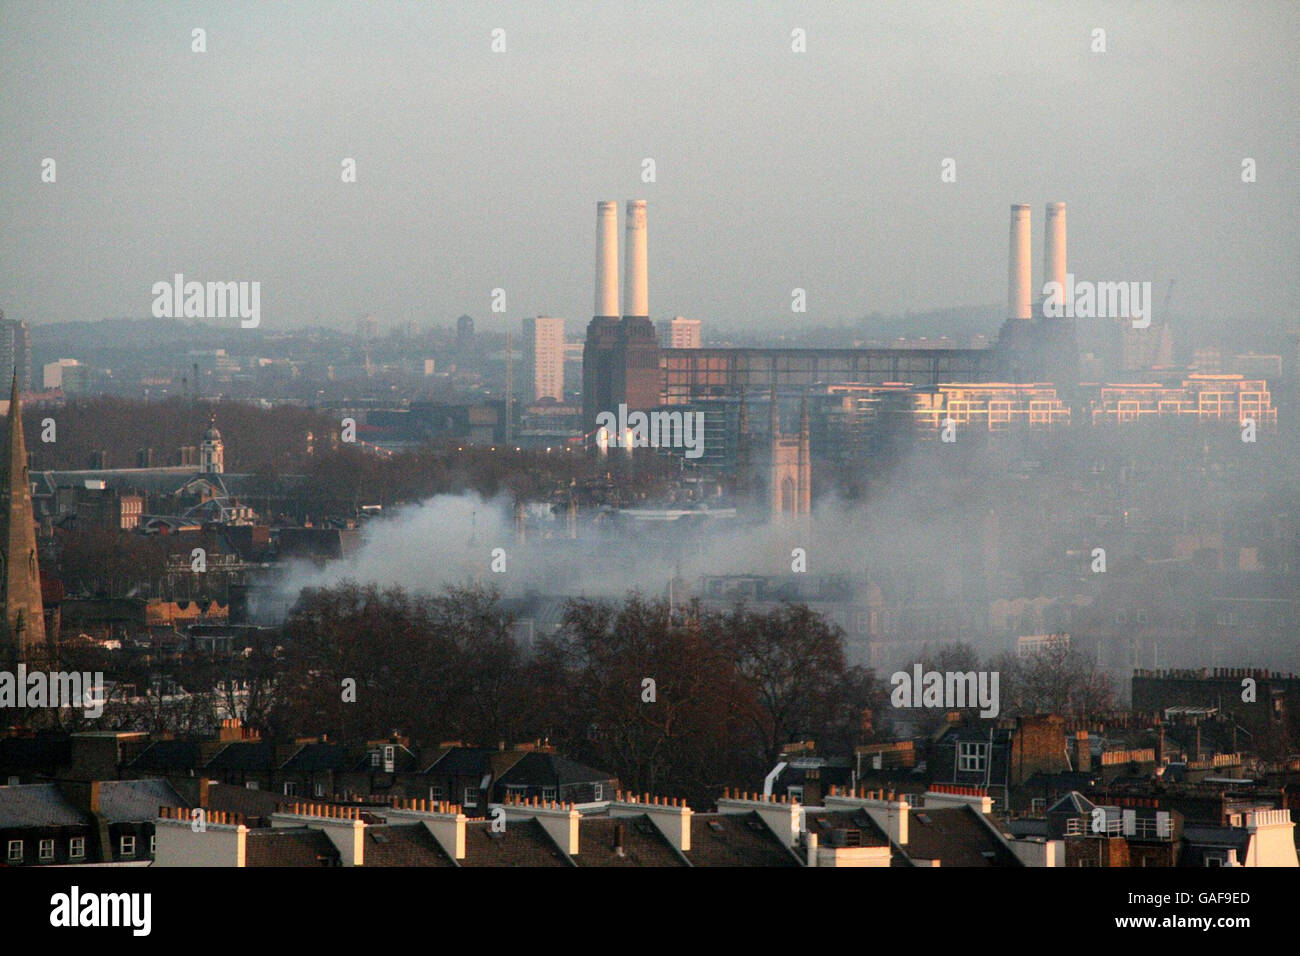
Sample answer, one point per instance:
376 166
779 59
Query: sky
774 169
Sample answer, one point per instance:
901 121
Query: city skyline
898 473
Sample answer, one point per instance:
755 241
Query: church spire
20 579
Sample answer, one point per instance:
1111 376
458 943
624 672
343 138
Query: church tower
212 453
790 482
20 578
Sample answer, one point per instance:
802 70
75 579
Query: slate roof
318 757
251 804
461 762
735 839
1026 827
403 844
38 805
830 775
643 844
135 801
1235 837
956 837
524 843
244 755
1072 802
164 755
1038 781
289 847
545 768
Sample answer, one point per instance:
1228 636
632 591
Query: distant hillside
136 334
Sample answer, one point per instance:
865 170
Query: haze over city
649 435
475 169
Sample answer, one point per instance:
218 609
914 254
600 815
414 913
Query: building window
436 794
77 848
319 790
128 847
15 851
548 793
374 758
153 844
795 793
598 791
972 758
290 789
47 850
251 785
471 796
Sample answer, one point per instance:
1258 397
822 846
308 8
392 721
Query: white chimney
607 259
1020 278
946 796
636 293
445 823
889 812
672 818
218 844
559 820
343 826
1054 245
784 818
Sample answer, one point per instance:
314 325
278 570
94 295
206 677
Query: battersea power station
623 362
1030 378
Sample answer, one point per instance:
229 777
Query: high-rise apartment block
16 352
544 358
682 333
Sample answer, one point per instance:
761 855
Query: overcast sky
775 169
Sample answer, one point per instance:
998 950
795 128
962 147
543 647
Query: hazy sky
775 169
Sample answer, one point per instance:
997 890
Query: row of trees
681 700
